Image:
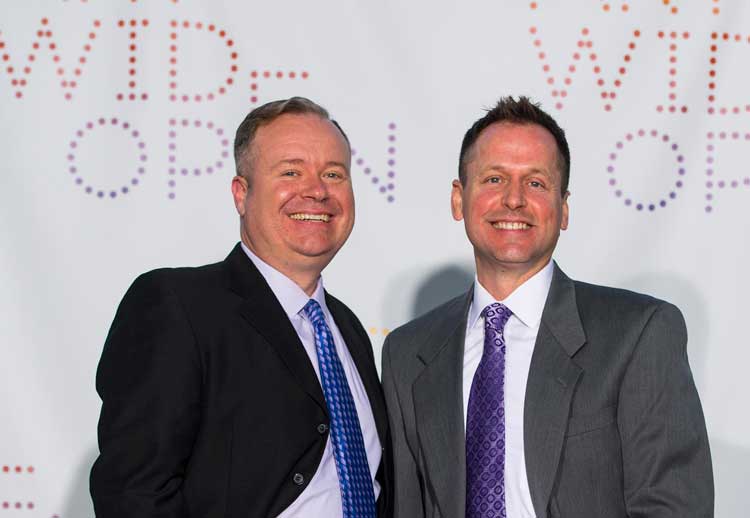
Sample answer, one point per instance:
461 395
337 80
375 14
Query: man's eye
333 174
493 179
289 173
536 184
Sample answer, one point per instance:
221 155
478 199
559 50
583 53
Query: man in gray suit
533 395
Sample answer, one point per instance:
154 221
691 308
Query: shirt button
298 479
322 428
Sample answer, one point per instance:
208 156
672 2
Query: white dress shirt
526 303
322 496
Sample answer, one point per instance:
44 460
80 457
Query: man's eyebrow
532 170
337 164
299 161
289 161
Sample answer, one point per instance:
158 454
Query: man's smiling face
295 198
512 205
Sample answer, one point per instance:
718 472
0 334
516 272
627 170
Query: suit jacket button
322 428
298 479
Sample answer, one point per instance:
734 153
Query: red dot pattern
713 60
131 26
173 86
18 470
583 52
44 39
255 75
673 38
17 505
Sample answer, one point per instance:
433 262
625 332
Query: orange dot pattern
375 331
132 26
625 7
228 81
584 50
256 75
713 60
18 75
673 37
607 7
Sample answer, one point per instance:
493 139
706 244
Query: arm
407 492
666 458
149 379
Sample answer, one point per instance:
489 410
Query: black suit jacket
210 405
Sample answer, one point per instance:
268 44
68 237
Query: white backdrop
653 95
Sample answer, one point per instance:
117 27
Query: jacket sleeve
407 489
666 458
149 380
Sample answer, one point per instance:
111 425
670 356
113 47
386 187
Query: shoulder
178 282
624 309
616 299
179 278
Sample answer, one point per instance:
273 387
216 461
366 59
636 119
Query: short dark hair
269 112
521 111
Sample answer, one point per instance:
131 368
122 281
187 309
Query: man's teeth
310 217
510 225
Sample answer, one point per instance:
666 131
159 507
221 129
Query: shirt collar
291 297
526 302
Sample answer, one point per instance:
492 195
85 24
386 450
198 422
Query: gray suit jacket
613 426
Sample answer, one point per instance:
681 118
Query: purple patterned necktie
485 423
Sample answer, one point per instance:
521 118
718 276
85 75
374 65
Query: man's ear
239 193
564 219
457 200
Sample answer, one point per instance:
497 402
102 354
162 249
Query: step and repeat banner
116 134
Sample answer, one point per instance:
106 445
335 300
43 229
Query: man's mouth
304 216
511 225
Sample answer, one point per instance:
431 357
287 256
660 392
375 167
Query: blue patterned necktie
357 494
485 423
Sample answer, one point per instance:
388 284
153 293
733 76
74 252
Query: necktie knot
496 315
313 312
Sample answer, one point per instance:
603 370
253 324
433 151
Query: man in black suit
213 378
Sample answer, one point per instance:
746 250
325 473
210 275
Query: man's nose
515 195
315 188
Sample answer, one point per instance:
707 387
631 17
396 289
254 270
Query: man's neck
500 281
305 278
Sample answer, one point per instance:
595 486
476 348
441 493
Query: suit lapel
553 376
262 310
361 351
438 406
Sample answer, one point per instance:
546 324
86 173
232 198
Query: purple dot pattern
485 422
349 453
711 186
613 182
75 144
385 186
209 169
